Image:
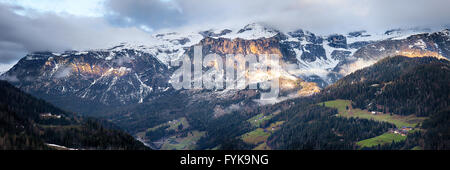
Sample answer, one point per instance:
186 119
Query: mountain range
128 85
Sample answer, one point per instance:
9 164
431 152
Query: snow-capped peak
252 31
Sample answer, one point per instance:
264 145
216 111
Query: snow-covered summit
252 31
169 46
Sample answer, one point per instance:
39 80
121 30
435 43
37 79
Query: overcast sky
59 25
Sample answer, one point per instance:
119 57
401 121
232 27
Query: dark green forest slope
30 123
402 86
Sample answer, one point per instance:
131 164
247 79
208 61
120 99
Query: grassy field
173 125
260 135
417 148
261 118
397 120
275 125
182 143
262 146
258 119
385 138
255 137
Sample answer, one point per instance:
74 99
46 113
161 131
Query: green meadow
383 139
397 120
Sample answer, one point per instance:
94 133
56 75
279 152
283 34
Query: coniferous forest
30 123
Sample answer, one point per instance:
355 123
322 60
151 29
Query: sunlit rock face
138 73
434 44
308 89
99 76
419 53
420 45
274 45
224 46
96 70
298 87
242 47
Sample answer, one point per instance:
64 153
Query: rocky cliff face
107 77
434 44
223 46
126 74
420 45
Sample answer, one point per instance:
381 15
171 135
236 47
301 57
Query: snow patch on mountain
308 56
251 31
5 67
170 46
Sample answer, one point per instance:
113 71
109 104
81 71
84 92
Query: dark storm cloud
21 34
157 13
9 51
323 16
123 21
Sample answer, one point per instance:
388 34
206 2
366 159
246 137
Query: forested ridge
30 123
316 127
393 86
398 85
